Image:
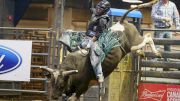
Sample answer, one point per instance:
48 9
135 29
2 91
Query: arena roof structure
22 5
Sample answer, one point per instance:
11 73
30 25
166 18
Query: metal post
1 11
59 13
58 25
49 48
61 29
62 16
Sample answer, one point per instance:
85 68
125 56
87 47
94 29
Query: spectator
164 15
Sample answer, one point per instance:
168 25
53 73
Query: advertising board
15 60
158 92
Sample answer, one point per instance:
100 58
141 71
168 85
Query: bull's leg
152 45
141 45
147 40
140 52
80 90
155 51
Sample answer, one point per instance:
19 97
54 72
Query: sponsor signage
158 92
15 60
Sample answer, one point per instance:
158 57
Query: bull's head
59 80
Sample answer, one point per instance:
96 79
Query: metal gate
152 69
37 88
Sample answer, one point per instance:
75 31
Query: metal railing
150 66
40 40
146 70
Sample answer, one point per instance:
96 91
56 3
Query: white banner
15 60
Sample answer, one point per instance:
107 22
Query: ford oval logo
9 59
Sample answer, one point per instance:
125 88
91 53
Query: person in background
164 14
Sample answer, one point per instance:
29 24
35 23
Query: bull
75 73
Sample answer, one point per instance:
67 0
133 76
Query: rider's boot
100 78
101 84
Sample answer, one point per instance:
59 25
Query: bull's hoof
158 54
140 53
73 98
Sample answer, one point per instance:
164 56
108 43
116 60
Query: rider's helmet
103 7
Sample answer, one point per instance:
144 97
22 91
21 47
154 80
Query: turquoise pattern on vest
107 41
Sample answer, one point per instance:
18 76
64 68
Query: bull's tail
138 7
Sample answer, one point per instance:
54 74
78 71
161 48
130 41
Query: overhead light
132 1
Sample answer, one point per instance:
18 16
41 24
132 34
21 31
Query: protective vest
97 25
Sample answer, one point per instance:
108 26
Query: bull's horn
65 73
48 69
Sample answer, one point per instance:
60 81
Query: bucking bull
75 73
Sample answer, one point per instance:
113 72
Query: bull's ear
47 75
70 72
